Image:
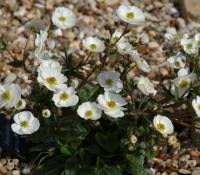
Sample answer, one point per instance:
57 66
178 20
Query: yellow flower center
89 114
112 104
92 46
109 82
160 126
24 124
62 18
64 96
115 38
189 46
130 15
183 83
198 42
6 95
177 63
51 81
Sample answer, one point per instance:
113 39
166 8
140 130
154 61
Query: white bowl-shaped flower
177 61
112 104
40 42
141 63
190 46
197 38
116 35
124 47
182 83
110 81
89 110
145 86
25 123
51 78
94 44
163 124
196 105
63 18
49 64
10 94
130 14
65 97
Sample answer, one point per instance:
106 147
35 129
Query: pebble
184 171
10 78
196 171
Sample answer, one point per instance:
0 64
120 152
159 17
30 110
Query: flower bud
46 113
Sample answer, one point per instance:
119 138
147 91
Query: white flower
177 61
196 105
49 64
110 81
40 42
46 113
124 47
130 14
112 104
94 44
63 18
163 125
89 110
10 94
21 104
141 63
189 46
25 123
182 83
51 78
145 86
197 38
65 97
116 35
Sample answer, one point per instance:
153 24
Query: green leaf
108 170
108 141
66 150
52 166
73 131
87 92
136 164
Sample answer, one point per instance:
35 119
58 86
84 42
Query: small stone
195 153
10 78
10 165
153 45
196 171
2 169
185 157
184 171
192 163
15 172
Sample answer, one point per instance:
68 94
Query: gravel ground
93 15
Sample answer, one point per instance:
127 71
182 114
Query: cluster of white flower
182 83
191 45
10 96
110 102
50 76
